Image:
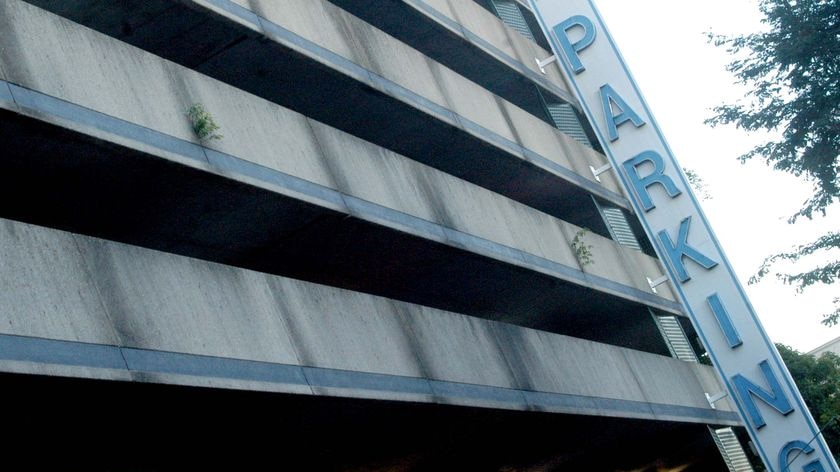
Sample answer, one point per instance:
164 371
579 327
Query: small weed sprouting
583 251
202 122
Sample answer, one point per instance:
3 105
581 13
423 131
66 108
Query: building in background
395 254
832 346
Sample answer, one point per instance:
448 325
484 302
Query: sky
682 77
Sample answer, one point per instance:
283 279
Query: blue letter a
610 99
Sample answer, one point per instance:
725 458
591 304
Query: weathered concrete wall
432 30
58 58
482 30
488 27
345 44
341 33
81 306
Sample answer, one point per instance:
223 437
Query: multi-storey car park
396 257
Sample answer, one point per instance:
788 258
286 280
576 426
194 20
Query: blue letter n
775 397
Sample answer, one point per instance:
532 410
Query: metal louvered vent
620 227
566 120
511 15
675 337
731 450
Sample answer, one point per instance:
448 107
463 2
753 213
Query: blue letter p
571 49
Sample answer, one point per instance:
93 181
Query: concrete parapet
132 98
129 312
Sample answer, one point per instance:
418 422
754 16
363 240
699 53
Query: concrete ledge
439 36
159 365
289 69
315 240
78 306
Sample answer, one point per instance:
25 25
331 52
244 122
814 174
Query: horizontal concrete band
144 361
374 80
232 166
251 17
500 55
436 31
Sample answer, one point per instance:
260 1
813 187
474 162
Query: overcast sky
682 77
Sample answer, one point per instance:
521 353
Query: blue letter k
676 252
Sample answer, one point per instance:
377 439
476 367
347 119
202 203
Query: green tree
793 74
697 184
818 380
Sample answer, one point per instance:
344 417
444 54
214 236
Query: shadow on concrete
62 179
105 425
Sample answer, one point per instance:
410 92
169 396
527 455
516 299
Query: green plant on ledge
202 122
583 251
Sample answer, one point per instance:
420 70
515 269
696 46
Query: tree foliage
698 184
793 74
818 380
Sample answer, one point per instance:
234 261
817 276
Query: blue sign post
756 379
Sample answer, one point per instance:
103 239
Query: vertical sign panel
747 361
